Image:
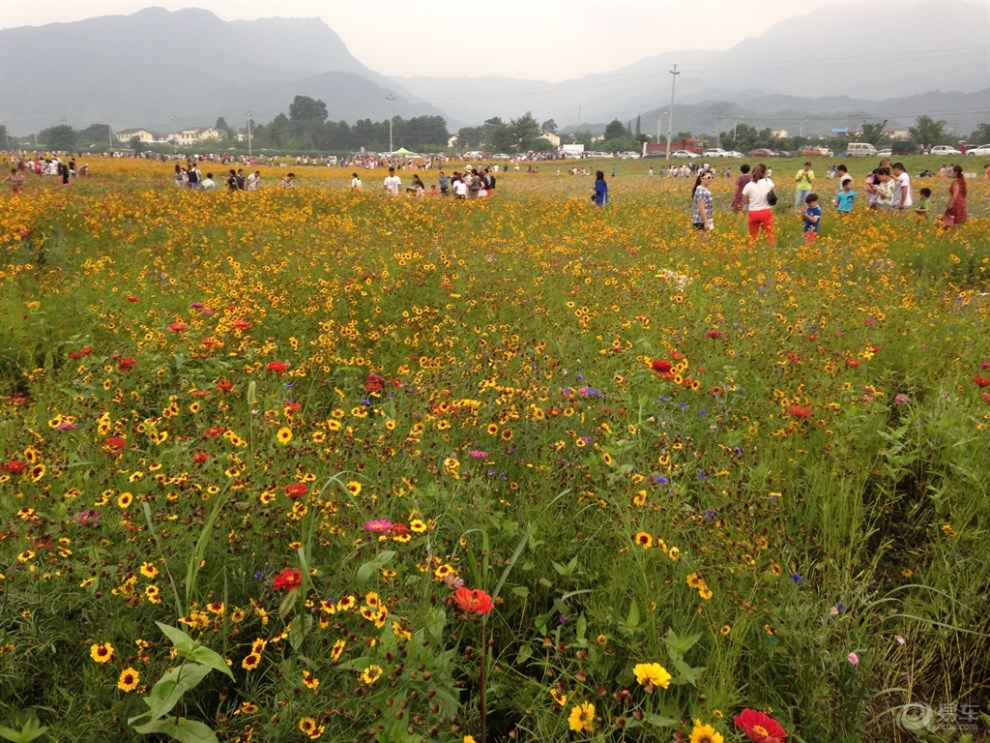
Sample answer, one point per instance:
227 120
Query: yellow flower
370 674
644 539
101 652
148 570
129 679
652 674
309 727
705 734
310 680
284 437
582 718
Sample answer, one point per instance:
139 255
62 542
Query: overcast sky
540 39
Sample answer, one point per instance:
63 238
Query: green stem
484 669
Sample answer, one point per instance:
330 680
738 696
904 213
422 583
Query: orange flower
473 600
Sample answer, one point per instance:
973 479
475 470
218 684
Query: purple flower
89 517
796 577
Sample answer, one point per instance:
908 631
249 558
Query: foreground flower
129 679
370 675
759 727
582 718
703 733
651 674
101 652
287 579
309 727
473 600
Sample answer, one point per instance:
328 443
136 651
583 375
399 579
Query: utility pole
250 153
391 101
670 116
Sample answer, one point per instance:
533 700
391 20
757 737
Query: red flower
715 334
177 326
473 600
113 445
279 367
981 381
13 467
126 363
291 407
852 363
287 580
132 300
224 385
200 457
296 490
759 727
799 412
81 354
661 366
374 383
215 431
242 324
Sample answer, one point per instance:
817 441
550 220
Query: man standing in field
393 184
804 178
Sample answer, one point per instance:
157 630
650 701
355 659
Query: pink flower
853 659
379 526
477 454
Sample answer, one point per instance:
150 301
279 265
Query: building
195 135
143 135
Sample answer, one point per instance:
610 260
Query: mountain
868 53
161 70
832 68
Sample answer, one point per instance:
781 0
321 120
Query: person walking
955 211
757 195
601 189
703 219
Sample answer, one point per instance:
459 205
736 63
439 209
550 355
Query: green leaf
184 644
30 730
520 591
183 730
212 659
168 690
632 618
660 722
582 628
368 569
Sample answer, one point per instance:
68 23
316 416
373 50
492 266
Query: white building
195 135
126 135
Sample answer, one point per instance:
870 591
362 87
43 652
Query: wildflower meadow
314 464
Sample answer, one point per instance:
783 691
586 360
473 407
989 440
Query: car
629 155
943 149
983 150
683 153
816 151
761 152
716 152
884 152
783 153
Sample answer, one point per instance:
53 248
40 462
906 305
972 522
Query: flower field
310 464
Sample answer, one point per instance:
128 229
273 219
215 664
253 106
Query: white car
683 153
629 155
943 149
716 152
885 152
983 150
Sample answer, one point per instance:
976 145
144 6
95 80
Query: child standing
812 218
924 204
845 198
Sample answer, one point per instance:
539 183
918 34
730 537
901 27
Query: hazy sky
540 39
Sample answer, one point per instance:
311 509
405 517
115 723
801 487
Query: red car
762 152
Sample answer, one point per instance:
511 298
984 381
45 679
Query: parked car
943 149
783 153
762 152
716 152
983 150
884 152
629 155
815 151
861 149
683 153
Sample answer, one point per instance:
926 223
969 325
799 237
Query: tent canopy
404 151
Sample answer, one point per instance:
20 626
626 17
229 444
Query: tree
503 139
872 133
224 128
548 127
304 108
61 137
4 137
639 127
615 130
525 130
981 133
927 132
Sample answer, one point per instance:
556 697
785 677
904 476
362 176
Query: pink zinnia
379 526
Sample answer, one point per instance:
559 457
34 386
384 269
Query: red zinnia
799 412
126 363
177 326
296 490
279 367
13 467
981 381
473 600
759 727
113 445
661 366
287 579
81 354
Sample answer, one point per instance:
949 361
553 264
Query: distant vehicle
474 155
684 153
943 149
500 156
813 151
783 153
761 152
861 149
629 155
983 150
715 152
884 152
697 146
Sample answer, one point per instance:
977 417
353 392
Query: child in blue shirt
845 198
812 218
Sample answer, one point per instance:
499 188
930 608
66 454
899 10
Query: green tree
525 131
548 127
224 128
927 132
4 138
615 130
981 133
304 108
873 133
470 137
61 137
503 139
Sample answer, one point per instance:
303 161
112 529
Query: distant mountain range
164 70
